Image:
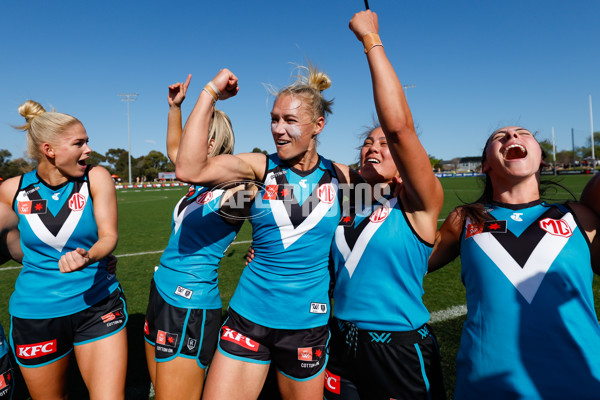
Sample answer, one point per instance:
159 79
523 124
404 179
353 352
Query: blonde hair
309 85
221 131
42 126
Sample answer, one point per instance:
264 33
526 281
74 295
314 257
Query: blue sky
477 65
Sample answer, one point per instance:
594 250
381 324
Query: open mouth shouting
514 152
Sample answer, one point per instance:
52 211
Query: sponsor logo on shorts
28 351
332 382
236 337
556 227
166 338
146 329
310 353
318 308
111 316
191 344
77 202
184 292
4 380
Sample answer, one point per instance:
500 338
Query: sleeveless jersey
531 330
379 266
54 220
187 275
293 220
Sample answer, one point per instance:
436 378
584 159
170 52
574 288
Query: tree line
147 167
115 160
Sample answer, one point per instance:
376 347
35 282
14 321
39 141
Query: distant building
462 164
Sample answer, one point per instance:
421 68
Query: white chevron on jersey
178 217
352 256
66 230
526 280
289 234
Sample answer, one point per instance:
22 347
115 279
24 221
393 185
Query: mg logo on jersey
77 202
204 198
380 214
556 227
235 337
36 350
326 193
332 382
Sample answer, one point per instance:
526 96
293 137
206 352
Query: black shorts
6 376
38 342
383 365
180 332
299 354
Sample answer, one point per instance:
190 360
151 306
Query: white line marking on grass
9 268
448 313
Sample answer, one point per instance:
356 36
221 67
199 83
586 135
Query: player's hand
111 264
177 92
249 255
74 260
227 83
364 22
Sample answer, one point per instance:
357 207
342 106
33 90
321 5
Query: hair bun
31 109
319 80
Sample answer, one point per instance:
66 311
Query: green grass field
144 228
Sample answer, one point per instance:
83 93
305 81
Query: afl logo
326 193
77 202
380 215
556 227
204 198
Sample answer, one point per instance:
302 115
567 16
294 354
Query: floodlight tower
128 97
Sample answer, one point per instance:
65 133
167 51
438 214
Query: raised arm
193 164
447 240
103 192
422 195
176 96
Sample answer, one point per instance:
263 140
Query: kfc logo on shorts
28 351
77 202
380 215
204 198
166 338
235 337
556 227
332 382
305 354
146 329
326 193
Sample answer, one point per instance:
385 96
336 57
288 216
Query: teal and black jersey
379 266
531 330
293 216
54 220
187 275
